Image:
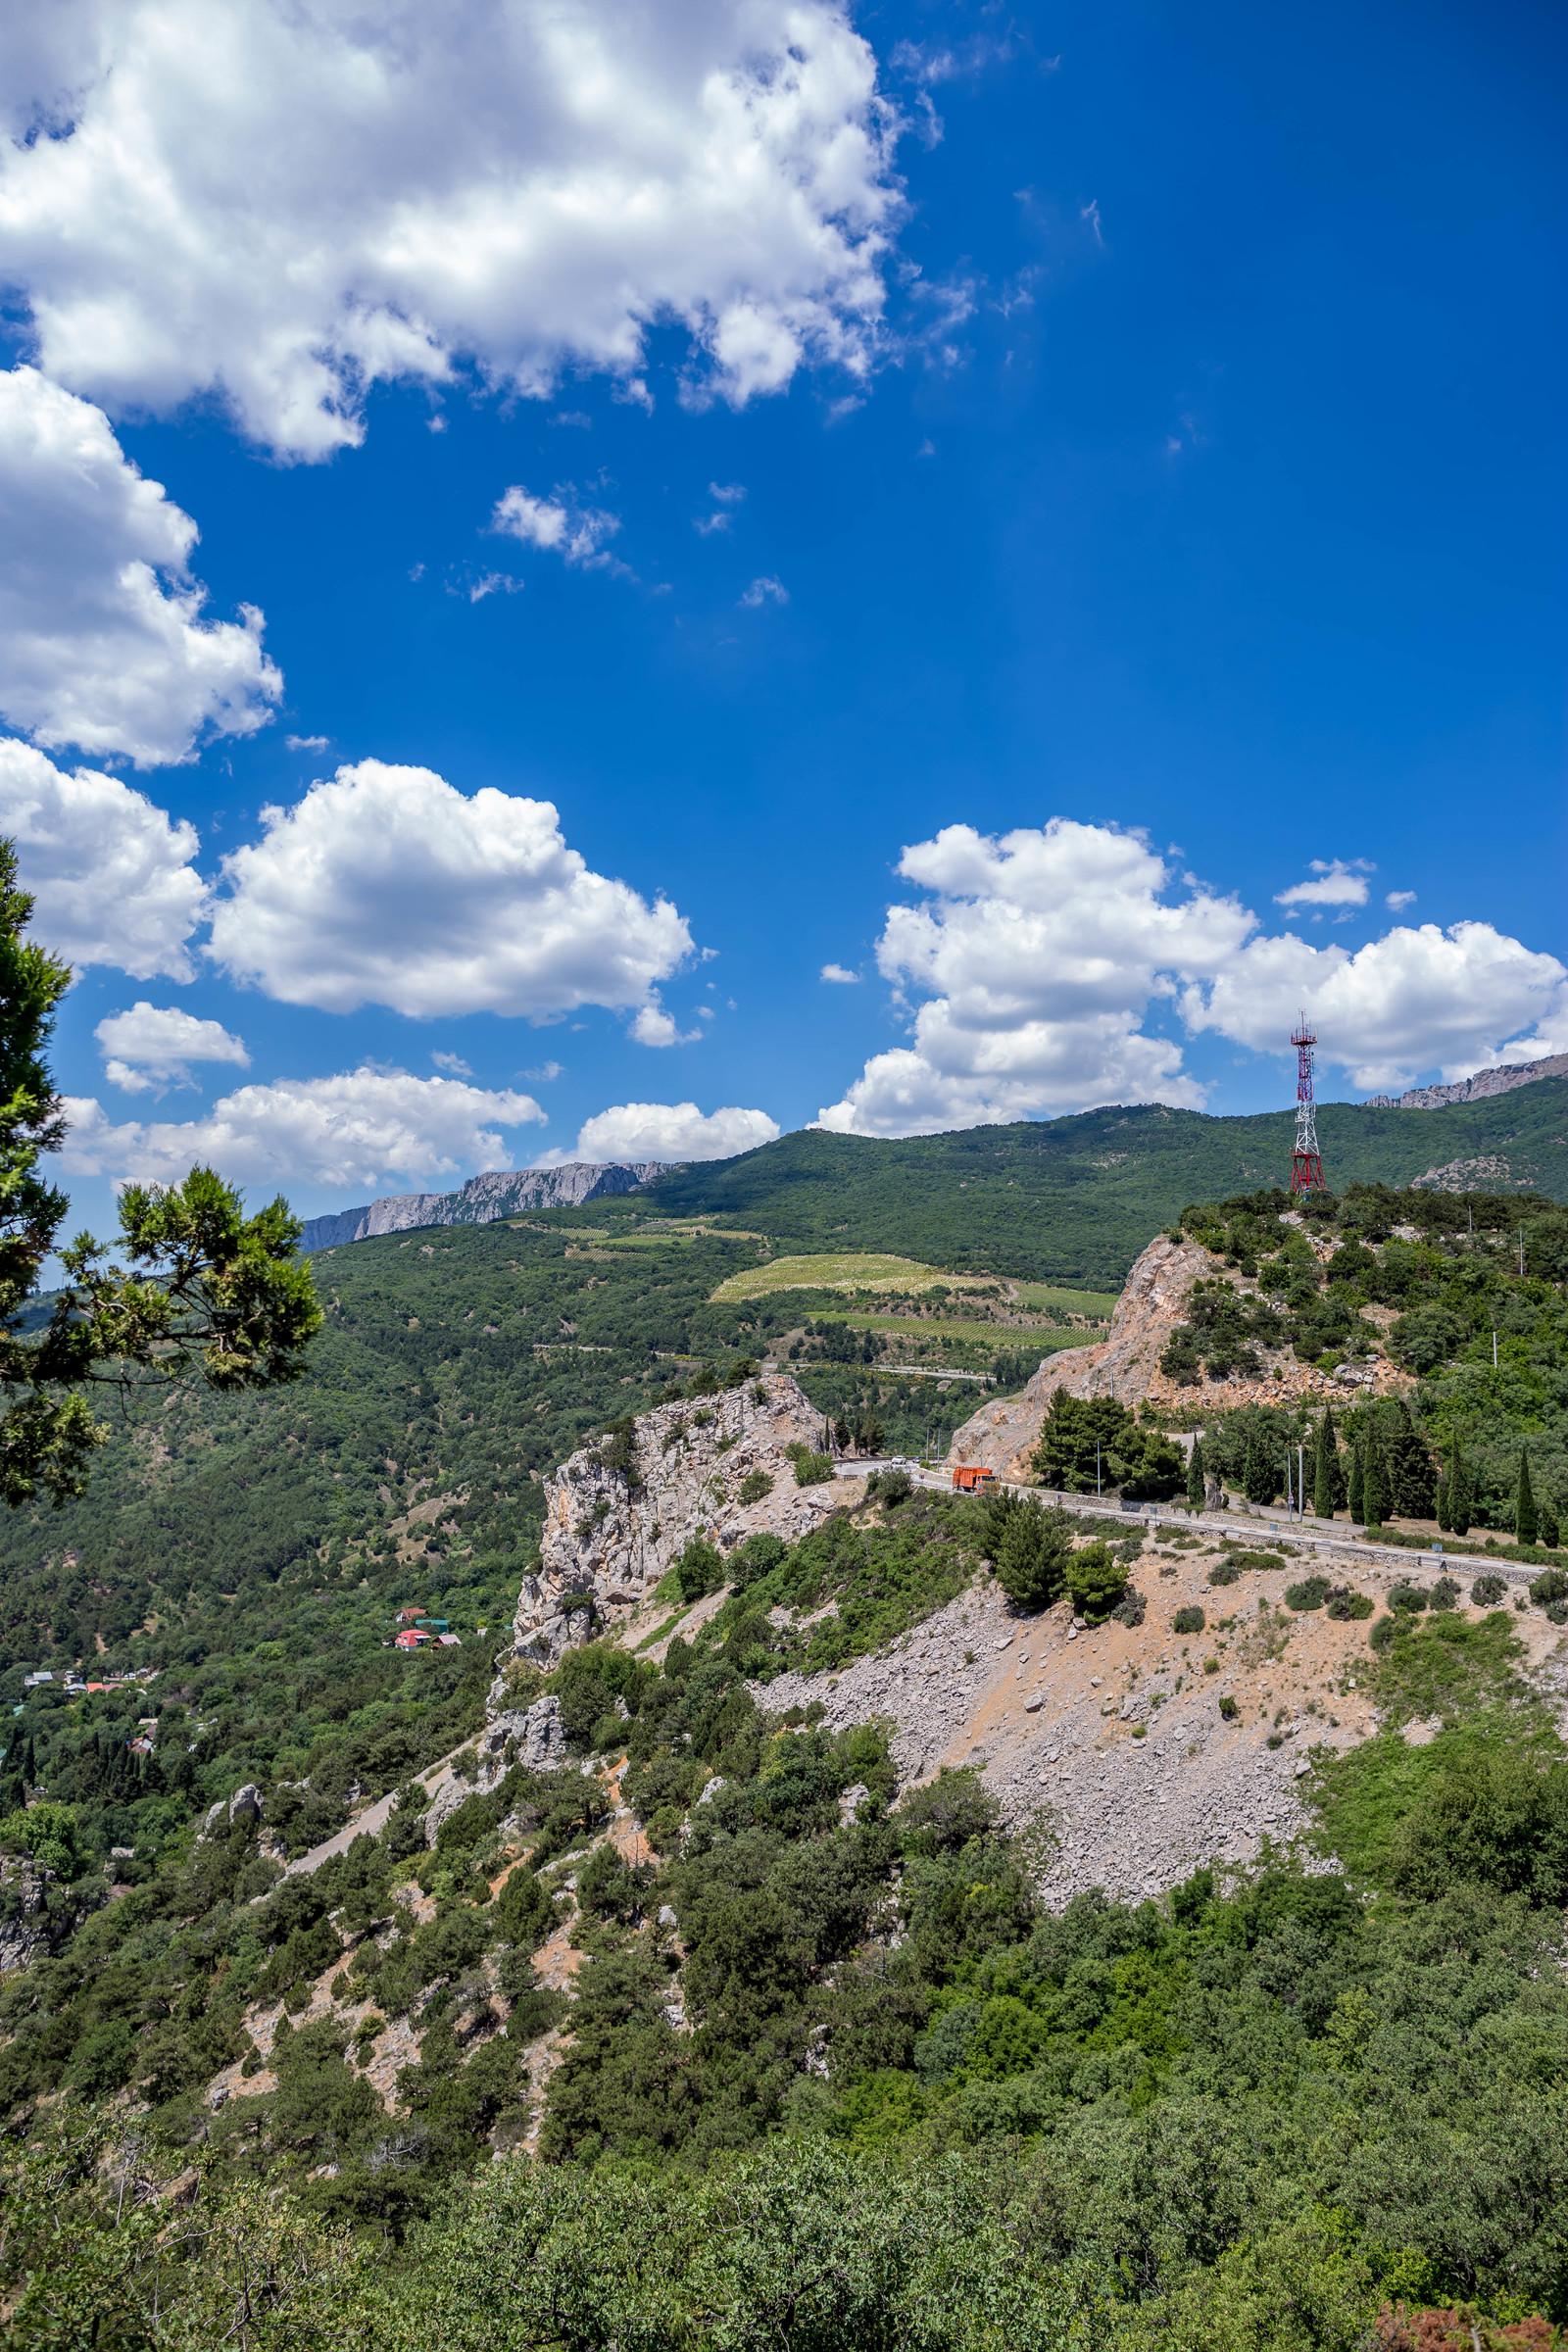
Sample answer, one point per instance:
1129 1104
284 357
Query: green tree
1461 1493
210 1290
1374 1481
1195 1483
1408 1465
1032 1555
1525 1523
1328 1479
1097 1581
1355 1490
1260 1478
1077 1440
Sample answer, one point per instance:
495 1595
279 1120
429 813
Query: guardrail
1343 1543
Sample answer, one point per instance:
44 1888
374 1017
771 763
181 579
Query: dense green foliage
1476 1435
835 2078
1077 1199
252 1549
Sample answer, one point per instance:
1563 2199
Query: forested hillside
1075 1200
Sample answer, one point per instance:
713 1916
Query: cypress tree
1261 1480
1325 1466
1374 1483
1408 1465
1461 1493
1525 1523
1196 1478
1354 1492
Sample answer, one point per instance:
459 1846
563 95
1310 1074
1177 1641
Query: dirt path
374 1818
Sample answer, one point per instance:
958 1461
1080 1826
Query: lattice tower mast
1306 1161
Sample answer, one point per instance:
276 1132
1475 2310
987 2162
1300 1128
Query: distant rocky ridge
1471 1090
482 1201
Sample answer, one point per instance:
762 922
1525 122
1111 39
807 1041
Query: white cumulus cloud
102 643
111 874
1039 954
575 533
366 1128
654 1026
668 1131
284 204
837 972
1038 958
1417 998
765 590
1334 884
153 1046
387 886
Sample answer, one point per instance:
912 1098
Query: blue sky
1186 528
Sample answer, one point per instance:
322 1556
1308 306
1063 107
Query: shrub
1382 1635
1408 1599
1130 1610
1551 1585
812 1470
1557 1613
894 1487
1224 1572
1189 1621
1095 1581
1444 1594
1228 1708
700 1569
756 1558
1031 1558
1310 1594
1346 1605
755 1486
1488 1591
944 1815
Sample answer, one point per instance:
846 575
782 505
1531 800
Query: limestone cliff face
502 1192
1126 1365
611 1534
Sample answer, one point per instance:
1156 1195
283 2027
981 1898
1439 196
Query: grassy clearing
842 1270
1463 1670
1450 1666
1098 1306
995 1337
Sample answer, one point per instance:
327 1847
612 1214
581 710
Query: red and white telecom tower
1306 1161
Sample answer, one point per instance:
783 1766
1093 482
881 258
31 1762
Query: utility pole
1300 1479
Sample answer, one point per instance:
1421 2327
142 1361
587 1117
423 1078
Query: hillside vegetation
1076 1199
714 2043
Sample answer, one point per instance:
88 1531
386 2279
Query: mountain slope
1075 1200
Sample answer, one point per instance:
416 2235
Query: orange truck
968 1479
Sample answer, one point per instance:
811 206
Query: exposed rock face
610 1535
540 1745
502 1192
1472 1088
24 1928
1003 1436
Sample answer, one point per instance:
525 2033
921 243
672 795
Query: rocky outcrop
611 1533
1473 1089
25 1922
534 1736
1001 1437
502 1192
